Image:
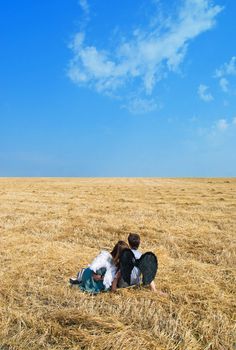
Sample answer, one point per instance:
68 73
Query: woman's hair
117 250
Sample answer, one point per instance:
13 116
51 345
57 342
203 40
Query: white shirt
104 259
135 274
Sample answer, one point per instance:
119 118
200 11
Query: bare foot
163 294
153 287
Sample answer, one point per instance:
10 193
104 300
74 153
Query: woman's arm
115 281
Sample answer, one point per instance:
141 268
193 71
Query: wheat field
50 228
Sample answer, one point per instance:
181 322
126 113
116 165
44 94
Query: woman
101 274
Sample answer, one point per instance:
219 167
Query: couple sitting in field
120 268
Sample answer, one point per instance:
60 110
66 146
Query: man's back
135 274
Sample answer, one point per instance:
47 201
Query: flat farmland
51 227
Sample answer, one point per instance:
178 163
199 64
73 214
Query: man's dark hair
134 240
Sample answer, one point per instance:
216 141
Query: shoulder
105 255
137 253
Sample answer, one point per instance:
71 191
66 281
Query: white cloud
144 58
222 124
231 66
141 106
227 68
86 13
84 5
204 94
224 84
220 129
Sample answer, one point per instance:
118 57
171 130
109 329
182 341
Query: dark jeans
122 283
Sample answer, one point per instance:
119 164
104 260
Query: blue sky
118 88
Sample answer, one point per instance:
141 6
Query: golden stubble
50 228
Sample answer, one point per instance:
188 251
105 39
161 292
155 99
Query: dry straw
49 228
